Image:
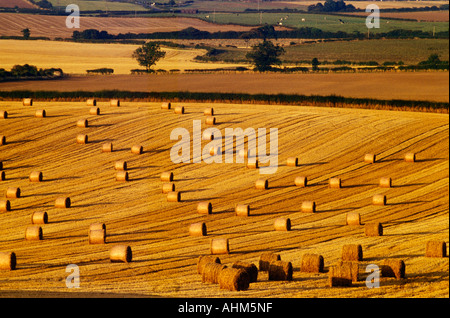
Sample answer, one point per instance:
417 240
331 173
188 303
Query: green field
92 5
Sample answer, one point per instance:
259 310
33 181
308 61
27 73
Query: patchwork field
328 143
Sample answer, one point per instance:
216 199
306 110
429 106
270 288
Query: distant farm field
16 3
386 4
92 5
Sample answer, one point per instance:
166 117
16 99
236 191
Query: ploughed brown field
328 143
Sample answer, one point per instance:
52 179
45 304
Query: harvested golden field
17 3
429 16
327 142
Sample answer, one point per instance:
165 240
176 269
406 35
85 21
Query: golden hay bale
280 270
114 102
352 252
301 182
120 165
40 113
266 258
197 229
308 207
282 224
242 209
204 208
210 273
62 202
166 105
210 120
292 162
208 112
203 260
213 151
3 114
435 248
373 229
385 182
343 274
5 205
108 147
40 217
234 279
379 199
168 187
253 164
82 139
137 149
94 111
334 183
393 268
219 246
8 261
353 218
179 110
33 233
167 176
262 184
27 102
120 253
369 158
208 135
2 176
91 102
173 196
410 157
243 154
13 192
35 176
2 140
97 236
83 123
249 268
97 226
121 175
312 263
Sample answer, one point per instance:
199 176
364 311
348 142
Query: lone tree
26 33
148 54
315 64
264 55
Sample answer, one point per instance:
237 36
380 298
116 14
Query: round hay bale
40 217
40 113
166 105
435 248
234 279
312 263
83 123
249 268
393 268
8 261
210 273
33 233
280 270
82 139
301 182
120 165
203 260
121 175
36 176
282 224
137 149
204 208
173 196
373 229
5 205
91 102
208 135
385 182
219 246
97 226
369 158
213 151
27 102
210 120
292 162
97 236
114 102
243 154
242 209
167 176
2 175
352 252
334 183
62 202
3 114
379 199
410 157
197 229
308 207
266 258
2 140
120 254
13 192
353 218
94 111
253 164
208 112
262 184
179 110
108 147
168 187
343 274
